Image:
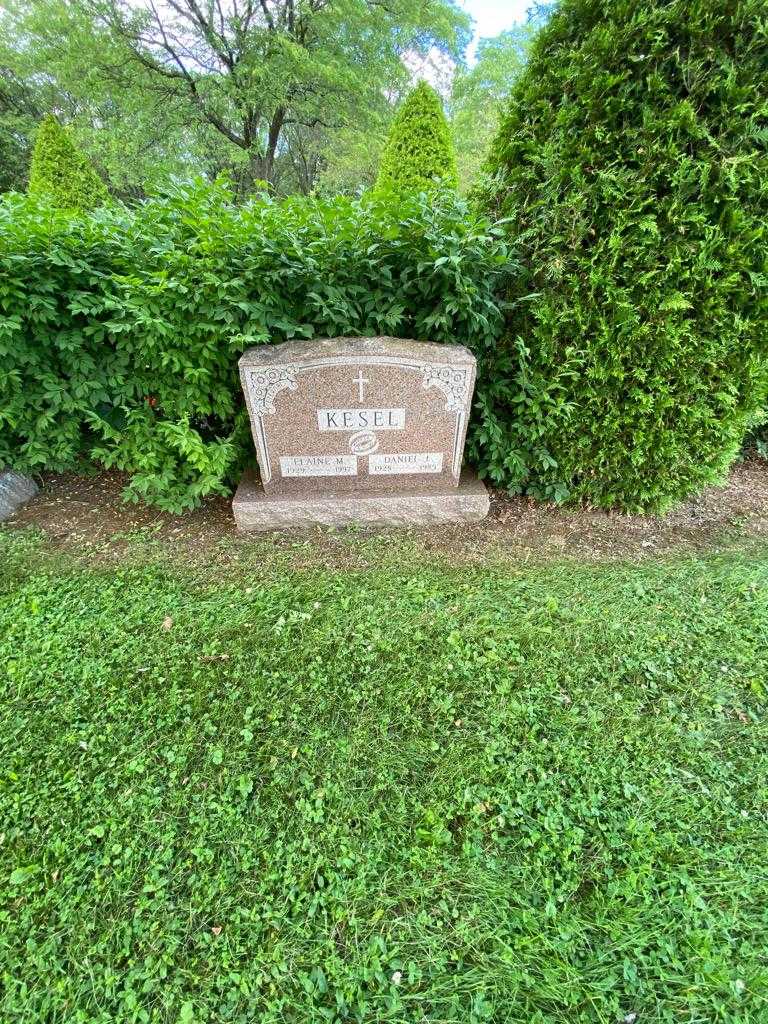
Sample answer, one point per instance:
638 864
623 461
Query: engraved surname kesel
360 419
405 462
318 465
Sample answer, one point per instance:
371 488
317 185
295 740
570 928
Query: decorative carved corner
265 385
453 382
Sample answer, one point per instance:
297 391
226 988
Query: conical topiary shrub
419 150
632 163
61 173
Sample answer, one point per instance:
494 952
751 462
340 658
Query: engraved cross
361 381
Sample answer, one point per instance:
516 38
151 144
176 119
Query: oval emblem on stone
364 442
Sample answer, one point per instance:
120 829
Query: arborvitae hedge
419 148
633 163
60 173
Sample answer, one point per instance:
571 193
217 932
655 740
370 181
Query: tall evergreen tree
60 172
419 148
631 168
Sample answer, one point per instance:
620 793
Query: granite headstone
358 430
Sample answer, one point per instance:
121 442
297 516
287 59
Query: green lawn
416 793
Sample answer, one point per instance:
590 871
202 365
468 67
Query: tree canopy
19 114
478 95
269 90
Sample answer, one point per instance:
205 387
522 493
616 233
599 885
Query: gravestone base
257 512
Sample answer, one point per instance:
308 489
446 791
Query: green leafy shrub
419 148
632 163
120 331
60 173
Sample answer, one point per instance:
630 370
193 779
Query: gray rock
15 491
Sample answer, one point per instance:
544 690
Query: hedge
120 330
632 165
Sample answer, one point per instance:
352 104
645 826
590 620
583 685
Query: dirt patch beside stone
89 513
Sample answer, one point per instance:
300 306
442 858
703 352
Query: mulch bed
89 513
